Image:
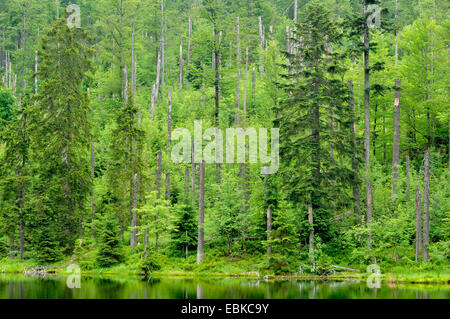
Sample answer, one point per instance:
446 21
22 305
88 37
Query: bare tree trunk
125 86
396 142
163 77
269 230
133 234
22 67
193 173
253 86
189 49
396 32
408 164
426 207
201 214
355 161
169 142
181 64
245 80
133 65
92 176
158 188
261 43
418 225
35 73
311 235
369 203
295 11
186 183
12 255
238 74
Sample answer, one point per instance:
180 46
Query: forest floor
224 267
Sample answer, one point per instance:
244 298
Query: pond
122 287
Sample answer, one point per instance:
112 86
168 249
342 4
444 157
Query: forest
92 94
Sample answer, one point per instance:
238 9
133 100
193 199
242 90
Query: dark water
119 287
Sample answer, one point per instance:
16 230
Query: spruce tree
316 94
61 132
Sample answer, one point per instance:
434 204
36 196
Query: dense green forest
357 88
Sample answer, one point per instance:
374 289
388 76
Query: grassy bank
238 268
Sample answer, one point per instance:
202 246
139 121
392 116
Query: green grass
244 266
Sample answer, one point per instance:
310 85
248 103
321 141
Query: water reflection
115 287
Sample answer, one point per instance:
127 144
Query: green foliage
108 242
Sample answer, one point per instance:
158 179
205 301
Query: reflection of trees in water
19 286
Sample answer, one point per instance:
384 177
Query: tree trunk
201 213
396 142
426 207
35 73
92 176
158 188
133 65
261 43
11 247
418 225
133 233
181 64
295 11
269 230
408 164
169 130
186 183
396 32
238 73
311 235
188 61
367 127
245 81
355 162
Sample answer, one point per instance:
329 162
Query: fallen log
344 268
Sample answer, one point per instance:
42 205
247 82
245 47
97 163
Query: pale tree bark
426 208
245 81
186 183
189 49
125 86
261 44
396 142
201 214
355 161
269 217
133 65
295 11
408 165
92 176
133 234
311 235
418 225
158 188
163 36
238 74
253 86
169 130
155 87
22 67
181 64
